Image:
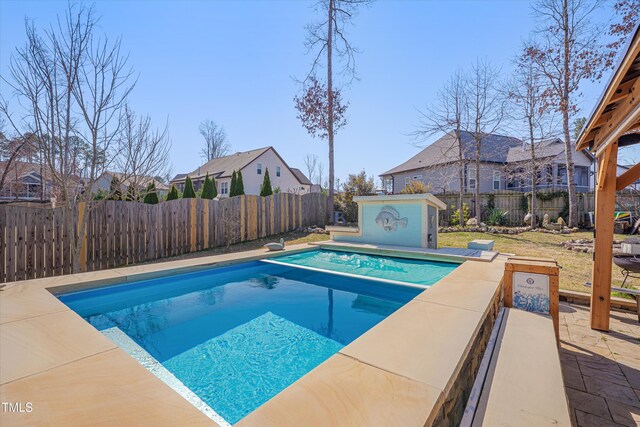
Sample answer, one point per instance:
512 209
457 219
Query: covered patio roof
614 123
617 113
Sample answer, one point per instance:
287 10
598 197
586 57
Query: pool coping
44 343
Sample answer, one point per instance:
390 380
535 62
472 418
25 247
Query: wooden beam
621 120
628 178
587 139
623 90
628 59
602 120
603 245
601 176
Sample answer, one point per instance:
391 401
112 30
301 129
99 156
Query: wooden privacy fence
38 242
513 203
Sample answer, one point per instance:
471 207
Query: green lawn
575 267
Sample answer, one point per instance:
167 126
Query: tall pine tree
188 192
265 189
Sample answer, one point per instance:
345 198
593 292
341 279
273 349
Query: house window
417 178
387 185
278 171
224 188
471 178
259 168
496 180
561 178
582 176
407 181
548 179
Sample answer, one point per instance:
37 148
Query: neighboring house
551 170
504 165
622 169
24 182
103 183
253 165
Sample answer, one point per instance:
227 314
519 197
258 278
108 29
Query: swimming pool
228 339
394 270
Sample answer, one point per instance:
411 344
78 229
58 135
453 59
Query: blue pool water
413 271
236 336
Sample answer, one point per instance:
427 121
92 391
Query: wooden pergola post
614 123
603 248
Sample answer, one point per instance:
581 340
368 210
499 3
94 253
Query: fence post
243 218
205 220
83 251
192 213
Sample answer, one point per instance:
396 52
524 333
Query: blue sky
234 62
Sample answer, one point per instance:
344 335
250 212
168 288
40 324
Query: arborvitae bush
188 192
233 187
207 189
173 193
115 192
131 194
265 189
239 185
151 197
214 188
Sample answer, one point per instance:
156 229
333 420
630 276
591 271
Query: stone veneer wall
451 411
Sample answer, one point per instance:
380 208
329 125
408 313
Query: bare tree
215 138
143 152
313 112
329 36
311 162
485 113
528 107
320 177
73 85
447 114
567 51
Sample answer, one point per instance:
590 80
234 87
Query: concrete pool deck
601 370
398 373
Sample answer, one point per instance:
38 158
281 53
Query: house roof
495 148
548 148
21 170
144 180
301 176
223 167
544 149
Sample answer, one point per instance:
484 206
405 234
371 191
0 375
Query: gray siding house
504 165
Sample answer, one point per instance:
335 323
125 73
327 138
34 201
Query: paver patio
601 370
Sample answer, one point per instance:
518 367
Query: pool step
123 341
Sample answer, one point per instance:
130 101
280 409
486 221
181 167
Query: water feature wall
400 220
